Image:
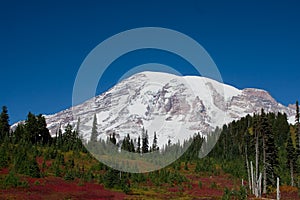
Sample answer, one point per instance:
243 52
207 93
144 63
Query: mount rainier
175 107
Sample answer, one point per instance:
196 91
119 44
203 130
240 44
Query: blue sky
43 43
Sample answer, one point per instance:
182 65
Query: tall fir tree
43 132
69 138
131 147
126 143
270 155
36 130
94 133
18 134
291 158
145 141
138 149
31 132
154 144
112 138
4 123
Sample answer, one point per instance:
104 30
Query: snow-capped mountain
174 107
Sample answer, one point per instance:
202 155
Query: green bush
37 182
69 176
241 194
227 194
3 158
213 185
200 184
57 171
28 167
50 153
11 180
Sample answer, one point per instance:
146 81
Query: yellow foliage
250 130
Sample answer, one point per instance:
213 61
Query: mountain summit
175 107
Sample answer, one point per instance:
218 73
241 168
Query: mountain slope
173 106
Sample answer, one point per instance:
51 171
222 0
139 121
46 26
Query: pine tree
18 134
154 144
42 130
4 123
3 157
94 133
131 148
291 158
36 130
270 155
138 149
126 143
113 138
68 138
145 142
59 138
111 178
31 131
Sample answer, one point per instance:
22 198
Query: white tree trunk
248 171
259 185
252 178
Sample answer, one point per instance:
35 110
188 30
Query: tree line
265 142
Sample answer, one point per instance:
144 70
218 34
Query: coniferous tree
18 134
138 149
43 133
126 143
270 156
112 138
4 123
131 147
281 129
3 157
291 158
68 132
68 138
31 131
154 144
145 142
59 138
94 133
36 130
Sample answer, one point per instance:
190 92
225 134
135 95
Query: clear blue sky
43 43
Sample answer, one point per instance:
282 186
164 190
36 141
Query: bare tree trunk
248 170
256 189
252 179
265 168
259 186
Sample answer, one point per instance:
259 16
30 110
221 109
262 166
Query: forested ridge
257 149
